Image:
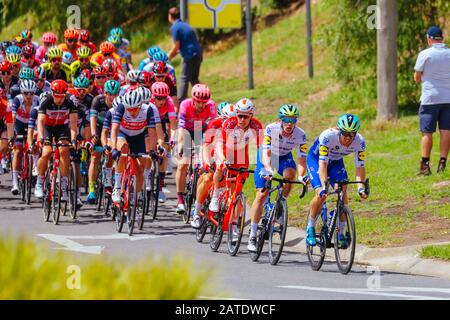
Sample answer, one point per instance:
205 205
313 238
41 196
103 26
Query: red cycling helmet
59 86
5 66
160 89
71 33
201 92
99 70
85 35
39 72
29 50
49 37
145 78
107 47
110 66
159 67
87 74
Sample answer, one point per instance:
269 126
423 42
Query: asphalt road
93 234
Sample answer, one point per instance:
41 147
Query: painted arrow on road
68 244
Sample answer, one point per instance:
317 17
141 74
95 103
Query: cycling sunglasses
348 134
71 40
100 77
5 73
28 93
27 56
160 75
56 60
84 60
160 98
243 116
289 120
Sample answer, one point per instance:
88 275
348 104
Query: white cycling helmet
67 58
133 75
28 86
44 95
244 106
145 94
132 99
117 100
229 110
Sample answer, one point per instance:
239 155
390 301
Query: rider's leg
289 174
64 165
93 174
181 178
257 208
18 152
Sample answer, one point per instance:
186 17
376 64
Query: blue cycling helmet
13 50
160 56
152 50
348 123
220 108
117 31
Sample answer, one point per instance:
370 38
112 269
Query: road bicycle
328 222
273 226
191 182
26 180
151 190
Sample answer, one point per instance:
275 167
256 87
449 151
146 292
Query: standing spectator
186 42
432 69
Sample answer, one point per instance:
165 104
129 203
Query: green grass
438 252
30 271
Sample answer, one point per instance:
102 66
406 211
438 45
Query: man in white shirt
432 70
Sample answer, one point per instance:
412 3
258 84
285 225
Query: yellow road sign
214 14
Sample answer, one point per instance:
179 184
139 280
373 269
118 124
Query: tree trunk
387 60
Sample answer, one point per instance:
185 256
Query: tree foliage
355 44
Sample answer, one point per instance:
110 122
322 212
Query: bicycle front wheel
345 253
259 243
236 225
56 199
73 190
316 254
277 232
132 204
47 200
29 180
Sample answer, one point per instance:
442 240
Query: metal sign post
248 21
308 39
183 10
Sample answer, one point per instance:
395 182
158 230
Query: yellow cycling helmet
13 58
54 52
83 52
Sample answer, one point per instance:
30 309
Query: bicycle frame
130 170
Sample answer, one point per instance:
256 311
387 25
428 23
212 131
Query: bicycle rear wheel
259 243
132 204
47 200
316 254
29 180
56 199
73 190
217 231
100 191
345 255
156 180
277 232
118 217
236 222
205 223
141 215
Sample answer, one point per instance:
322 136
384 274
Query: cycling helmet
14 58
49 37
27 74
117 31
117 100
133 75
110 66
26 34
59 86
245 106
88 74
67 58
5 66
288 110
145 78
115 40
220 108
229 111
159 67
29 50
107 47
4 45
132 99
84 52
13 50
71 33
200 92
54 52
81 82
85 35
112 87
99 70
160 89
39 73
348 123
145 94
160 56
152 50
44 95
28 86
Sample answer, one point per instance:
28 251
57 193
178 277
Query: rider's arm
301 168
73 126
114 134
93 113
360 157
323 172
41 125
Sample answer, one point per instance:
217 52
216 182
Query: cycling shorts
336 170
56 132
136 144
284 162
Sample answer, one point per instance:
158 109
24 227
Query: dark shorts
136 144
20 129
57 132
431 115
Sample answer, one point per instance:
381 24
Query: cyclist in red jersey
29 56
99 82
6 126
84 39
161 74
225 110
232 145
70 42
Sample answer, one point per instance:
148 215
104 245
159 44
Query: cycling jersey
133 126
64 72
46 88
35 63
328 148
5 114
75 67
280 145
188 118
90 45
213 130
170 81
97 91
149 68
83 108
98 57
168 110
40 53
64 48
20 111
236 141
99 109
109 115
11 90
33 118
57 115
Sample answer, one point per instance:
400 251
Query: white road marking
71 245
362 291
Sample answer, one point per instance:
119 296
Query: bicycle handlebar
346 182
240 170
283 181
